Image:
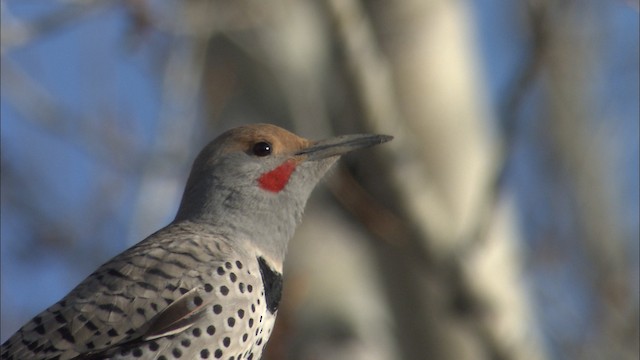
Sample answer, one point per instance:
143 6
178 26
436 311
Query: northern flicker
208 285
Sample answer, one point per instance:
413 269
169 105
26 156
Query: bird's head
254 180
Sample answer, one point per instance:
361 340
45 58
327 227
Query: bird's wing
176 317
146 292
179 315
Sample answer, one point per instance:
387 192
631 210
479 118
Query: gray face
226 193
252 183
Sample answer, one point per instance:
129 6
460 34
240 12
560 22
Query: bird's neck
262 219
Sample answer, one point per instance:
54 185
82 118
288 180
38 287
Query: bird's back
181 293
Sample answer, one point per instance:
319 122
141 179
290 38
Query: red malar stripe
276 179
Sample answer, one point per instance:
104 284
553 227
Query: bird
208 285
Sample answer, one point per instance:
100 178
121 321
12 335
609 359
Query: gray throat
263 220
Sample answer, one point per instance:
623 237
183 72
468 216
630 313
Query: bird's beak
341 145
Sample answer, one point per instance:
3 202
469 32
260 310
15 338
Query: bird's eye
262 148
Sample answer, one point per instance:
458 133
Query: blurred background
501 223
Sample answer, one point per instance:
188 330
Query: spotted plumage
208 285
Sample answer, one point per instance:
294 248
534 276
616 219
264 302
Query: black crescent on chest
272 285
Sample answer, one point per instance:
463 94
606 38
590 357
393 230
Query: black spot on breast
272 285
211 330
